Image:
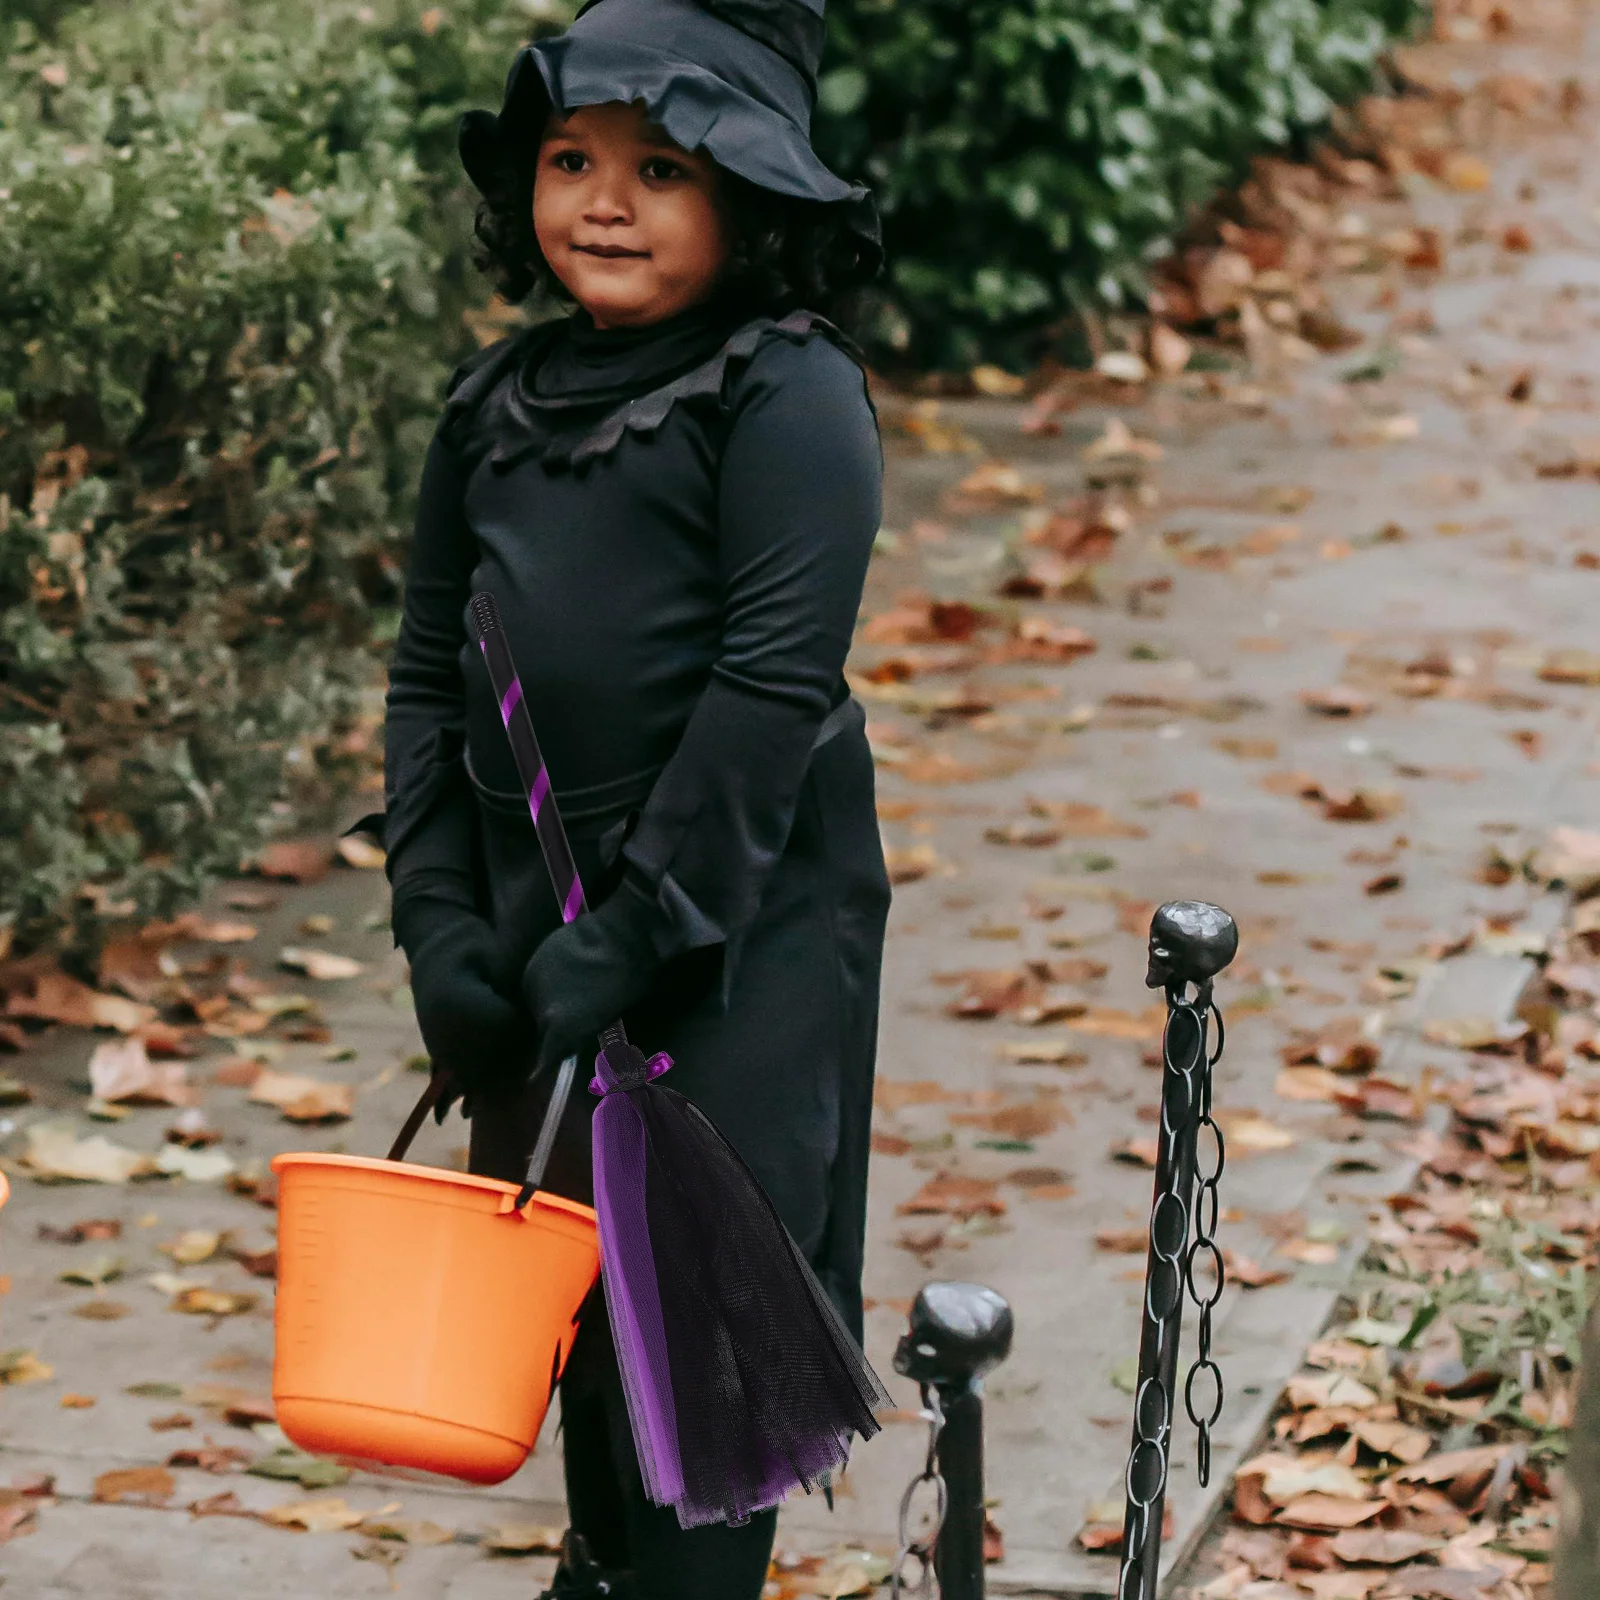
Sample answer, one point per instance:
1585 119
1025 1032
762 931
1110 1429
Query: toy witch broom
741 1379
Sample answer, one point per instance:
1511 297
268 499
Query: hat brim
697 110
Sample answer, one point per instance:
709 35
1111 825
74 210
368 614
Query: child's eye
568 160
662 169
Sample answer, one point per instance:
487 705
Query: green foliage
1032 157
233 266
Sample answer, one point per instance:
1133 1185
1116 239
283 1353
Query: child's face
629 222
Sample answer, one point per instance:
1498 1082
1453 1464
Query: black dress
675 523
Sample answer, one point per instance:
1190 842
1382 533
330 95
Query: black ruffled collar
569 431
588 366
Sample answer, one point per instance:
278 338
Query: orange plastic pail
421 1321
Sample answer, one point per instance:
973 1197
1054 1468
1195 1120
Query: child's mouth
610 252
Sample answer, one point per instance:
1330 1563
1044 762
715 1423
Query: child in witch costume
672 495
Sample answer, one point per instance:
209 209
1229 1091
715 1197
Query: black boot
580 1577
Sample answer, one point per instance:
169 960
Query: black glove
459 987
586 974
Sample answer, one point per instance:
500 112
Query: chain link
1175 1264
1207 1212
919 1545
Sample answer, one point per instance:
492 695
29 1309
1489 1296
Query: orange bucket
422 1321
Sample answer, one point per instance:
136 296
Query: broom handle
547 824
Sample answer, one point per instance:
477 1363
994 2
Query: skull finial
1190 942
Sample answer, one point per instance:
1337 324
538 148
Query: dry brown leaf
950 1194
1079 821
120 1070
355 851
55 1152
1106 1022
1123 1241
303 1099
997 483
895 1094
328 1514
140 1485
58 998
1340 700
202 1302
294 860
1249 1133
1386 1547
906 866
524 1539
323 965
919 620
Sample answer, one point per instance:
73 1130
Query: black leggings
607 1502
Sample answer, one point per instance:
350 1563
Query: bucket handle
545 1143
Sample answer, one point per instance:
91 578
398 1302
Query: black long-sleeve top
679 576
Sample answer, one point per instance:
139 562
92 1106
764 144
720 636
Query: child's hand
468 1024
586 974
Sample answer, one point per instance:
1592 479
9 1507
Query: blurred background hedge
234 273
1033 157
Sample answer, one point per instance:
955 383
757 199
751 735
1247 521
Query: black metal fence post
957 1333
1190 943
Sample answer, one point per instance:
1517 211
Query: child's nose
608 202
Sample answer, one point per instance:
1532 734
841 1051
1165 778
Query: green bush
1032 157
233 266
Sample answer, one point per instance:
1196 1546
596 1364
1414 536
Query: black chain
1185 1196
918 1543
1207 1214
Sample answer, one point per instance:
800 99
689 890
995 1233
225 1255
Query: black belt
602 799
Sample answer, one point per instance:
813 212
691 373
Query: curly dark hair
786 252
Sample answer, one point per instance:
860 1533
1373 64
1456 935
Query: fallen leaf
950 1194
58 998
226 1504
1327 1513
303 1099
1077 820
194 1166
203 1302
327 1515
996 483
1118 441
297 861
908 865
209 1458
1047 1052
92 1228
524 1539
140 1485
1123 1241
120 1070
23 1366
92 1274
323 965
192 1246
98 1310
407 1530
1338 701
1106 1022
1136 1152
1249 1133
355 851
55 1153
1250 1274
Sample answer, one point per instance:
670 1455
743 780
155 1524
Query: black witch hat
737 78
